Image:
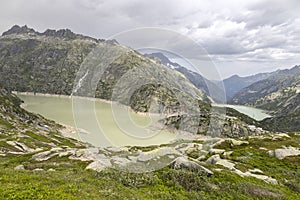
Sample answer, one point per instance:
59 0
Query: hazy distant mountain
280 94
277 81
235 83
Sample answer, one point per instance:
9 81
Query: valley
146 129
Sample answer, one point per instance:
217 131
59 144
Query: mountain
208 87
279 94
49 62
62 62
280 80
235 83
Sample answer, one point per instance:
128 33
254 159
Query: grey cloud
251 31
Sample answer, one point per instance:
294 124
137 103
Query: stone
255 171
20 146
116 149
216 151
237 142
99 165
160 152
213 159
44 155
263 148
226 163
120 162
271 153
19 167
90 154
184 163
38 169
227 154
183 148
265 178
285 152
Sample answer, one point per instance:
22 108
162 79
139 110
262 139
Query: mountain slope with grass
279 94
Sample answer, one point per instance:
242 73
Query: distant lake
252 112
106 125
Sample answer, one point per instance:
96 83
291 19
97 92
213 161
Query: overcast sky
241 36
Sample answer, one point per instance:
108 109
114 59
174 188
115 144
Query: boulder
285 152
19 167
184 163
213 159
156 153
100 165
226 163
90 154
237 142
216 151
44 155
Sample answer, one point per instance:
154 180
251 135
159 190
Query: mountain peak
66 33
61 33
16 29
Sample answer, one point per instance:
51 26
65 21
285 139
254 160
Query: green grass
111 184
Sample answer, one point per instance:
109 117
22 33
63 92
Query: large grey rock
226 163
184 163
213 159
46 155
20 146
216 151
100 165
183 148
19 167
157 153
116 149
90 154
120 162
265 178
285 152
216 160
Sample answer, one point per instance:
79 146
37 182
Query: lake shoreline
84 98
256 113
